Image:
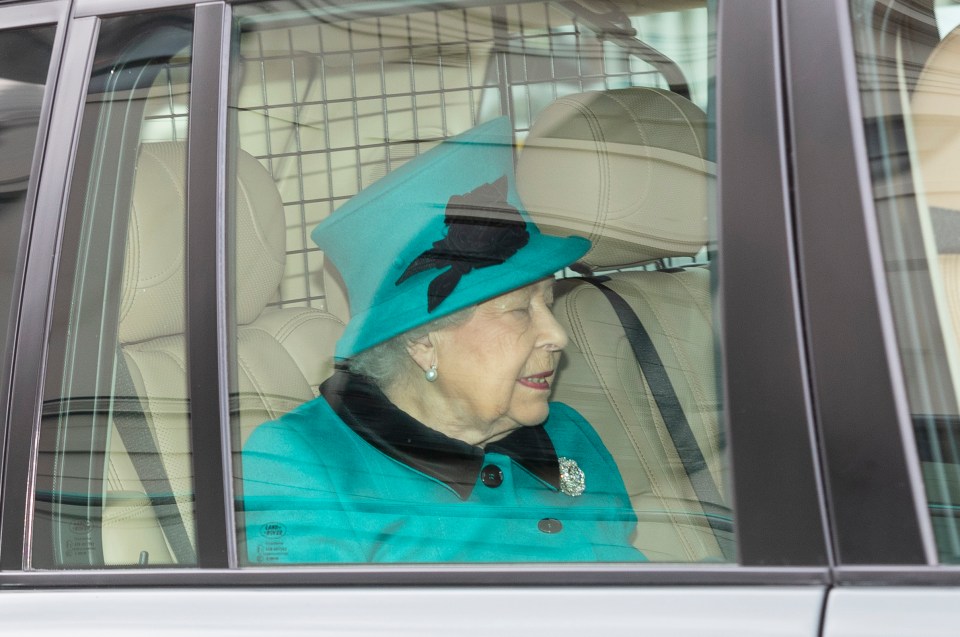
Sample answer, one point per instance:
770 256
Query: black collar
366 410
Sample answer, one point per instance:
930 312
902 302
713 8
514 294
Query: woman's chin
535 416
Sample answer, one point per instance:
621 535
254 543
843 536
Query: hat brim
543 256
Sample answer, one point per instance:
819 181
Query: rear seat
626 168
281 353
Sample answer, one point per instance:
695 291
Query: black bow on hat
483 229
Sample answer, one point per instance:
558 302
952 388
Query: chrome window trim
934 575
29 14
555 575
103 8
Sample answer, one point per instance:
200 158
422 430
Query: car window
26 53
399 175
114 475
911 97
471 254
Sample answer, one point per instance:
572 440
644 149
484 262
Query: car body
824 379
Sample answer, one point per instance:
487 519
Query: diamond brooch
572 481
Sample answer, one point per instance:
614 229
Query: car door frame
40 212
781 522
872 467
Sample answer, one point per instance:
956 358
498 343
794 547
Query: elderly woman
435 441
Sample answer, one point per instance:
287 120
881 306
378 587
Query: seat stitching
599 221
300 318
242 186
684 488
174 179
657 488
699 391
255 383
683 363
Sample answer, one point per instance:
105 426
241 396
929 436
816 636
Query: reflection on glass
418 165
114 476
26 56
910 83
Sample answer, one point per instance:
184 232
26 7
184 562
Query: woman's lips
537 381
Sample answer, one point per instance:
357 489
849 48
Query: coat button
550 525
491 475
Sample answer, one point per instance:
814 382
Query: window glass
907 65
472 256
26 57
114 479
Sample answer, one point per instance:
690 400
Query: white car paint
466 612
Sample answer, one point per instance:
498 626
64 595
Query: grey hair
389 361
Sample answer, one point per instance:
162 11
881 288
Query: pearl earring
431 374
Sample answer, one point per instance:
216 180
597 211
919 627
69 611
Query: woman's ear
423 351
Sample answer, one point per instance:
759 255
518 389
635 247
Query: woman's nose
552 335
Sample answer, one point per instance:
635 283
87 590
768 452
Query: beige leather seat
282 354
935 111
627 169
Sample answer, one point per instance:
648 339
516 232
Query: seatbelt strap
675 420
142 449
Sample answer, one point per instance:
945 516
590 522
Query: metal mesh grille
331 107
165 111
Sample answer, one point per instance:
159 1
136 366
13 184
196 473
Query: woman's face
496 369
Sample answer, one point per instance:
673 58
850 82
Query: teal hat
441 233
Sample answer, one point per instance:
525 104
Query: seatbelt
675 420
132 426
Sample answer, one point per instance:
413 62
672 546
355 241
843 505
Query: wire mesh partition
165 112
331 107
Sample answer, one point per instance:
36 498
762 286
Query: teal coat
359 480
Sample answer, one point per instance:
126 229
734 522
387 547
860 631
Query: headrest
625 168
935 108
152 297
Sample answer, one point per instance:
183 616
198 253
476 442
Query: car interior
613 144
629 170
